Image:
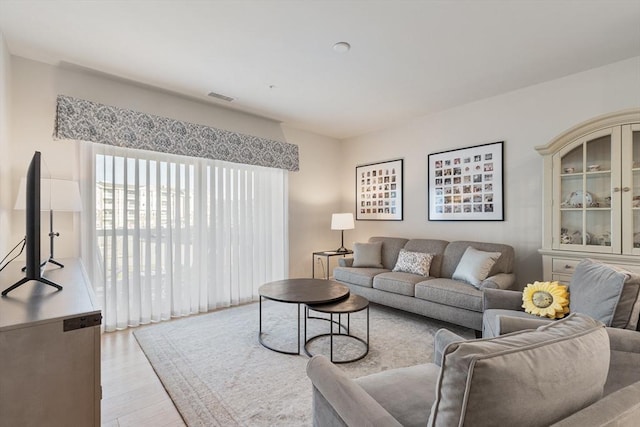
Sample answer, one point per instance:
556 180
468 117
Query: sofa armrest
620 408
345 262
502 299
510 324
499 281
624 340
441 340
352 404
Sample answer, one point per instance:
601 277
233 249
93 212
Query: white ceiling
408 58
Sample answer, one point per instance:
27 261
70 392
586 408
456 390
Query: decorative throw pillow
546 299
606 293
367 255
474 266
413 262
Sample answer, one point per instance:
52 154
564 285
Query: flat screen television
32 236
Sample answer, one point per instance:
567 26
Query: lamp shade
59 195
342 221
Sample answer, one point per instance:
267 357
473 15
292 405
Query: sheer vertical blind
173 235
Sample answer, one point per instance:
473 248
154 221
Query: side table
352 304
326 255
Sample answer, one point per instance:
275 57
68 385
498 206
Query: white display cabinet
591 195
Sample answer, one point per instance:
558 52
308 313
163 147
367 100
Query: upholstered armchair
552 376
602 291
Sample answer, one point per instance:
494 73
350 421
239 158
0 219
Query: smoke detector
342 47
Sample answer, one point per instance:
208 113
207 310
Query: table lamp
342 221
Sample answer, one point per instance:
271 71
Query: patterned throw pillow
413 262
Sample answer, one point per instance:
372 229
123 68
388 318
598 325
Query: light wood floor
132 394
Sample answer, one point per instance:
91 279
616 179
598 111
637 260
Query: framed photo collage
467 184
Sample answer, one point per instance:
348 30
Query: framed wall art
379 191
466 184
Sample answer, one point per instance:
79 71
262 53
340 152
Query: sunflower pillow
546 299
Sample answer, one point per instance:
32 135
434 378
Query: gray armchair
516 379
602 291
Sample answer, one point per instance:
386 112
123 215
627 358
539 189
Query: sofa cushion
550 372
413 262
367 255
474 266
454 251
606 293
397 282
412 408
429 246
339 401
357 276
450 292
390 248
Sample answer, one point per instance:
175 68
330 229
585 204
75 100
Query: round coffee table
352 304
300 291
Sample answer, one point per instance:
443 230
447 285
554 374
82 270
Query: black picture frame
379 191
467 184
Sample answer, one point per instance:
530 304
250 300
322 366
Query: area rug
218 374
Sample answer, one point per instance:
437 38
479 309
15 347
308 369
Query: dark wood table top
347 305
304 291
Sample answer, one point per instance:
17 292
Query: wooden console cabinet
49 350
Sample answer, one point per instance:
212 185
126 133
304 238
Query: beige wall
523 119
325 184
312 195
6 204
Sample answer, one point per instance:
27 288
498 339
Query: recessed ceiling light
341 47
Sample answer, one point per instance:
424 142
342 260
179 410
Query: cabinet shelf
593 208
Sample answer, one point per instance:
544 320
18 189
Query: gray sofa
437 296
569 373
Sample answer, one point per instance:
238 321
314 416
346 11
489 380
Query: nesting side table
299 291
353 304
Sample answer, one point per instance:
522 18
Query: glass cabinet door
630 188
587 173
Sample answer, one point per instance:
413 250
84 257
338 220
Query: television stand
27 279
50 260
53 261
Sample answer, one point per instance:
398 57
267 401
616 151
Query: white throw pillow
413 262
474 266
367 255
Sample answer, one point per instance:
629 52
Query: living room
524 117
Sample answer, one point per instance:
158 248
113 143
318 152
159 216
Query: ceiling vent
219 96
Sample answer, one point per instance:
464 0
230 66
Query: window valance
89 121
